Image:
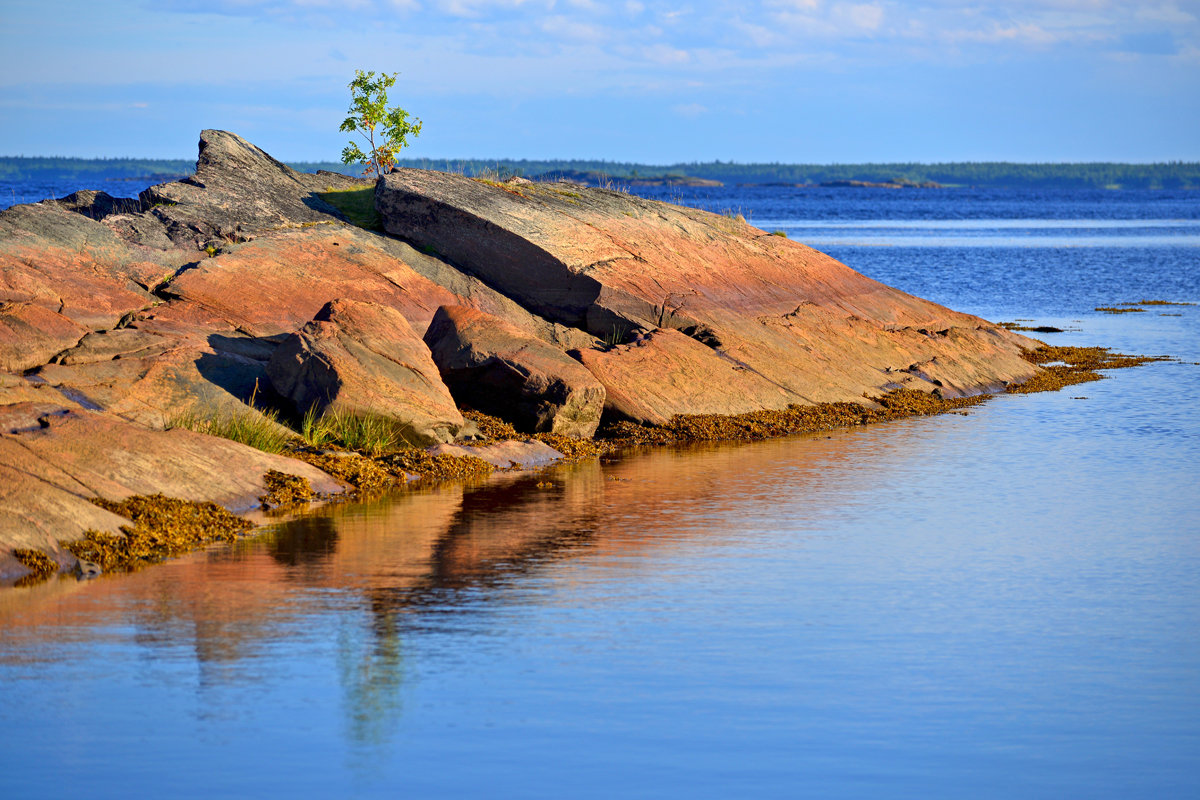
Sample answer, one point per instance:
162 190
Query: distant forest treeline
1172 175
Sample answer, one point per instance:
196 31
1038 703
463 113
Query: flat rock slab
493 367
75 266
510 454
60 457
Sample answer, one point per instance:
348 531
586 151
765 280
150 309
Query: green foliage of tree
386 130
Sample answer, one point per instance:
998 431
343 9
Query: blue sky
758 80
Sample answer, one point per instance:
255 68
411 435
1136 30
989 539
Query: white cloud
864 17
565 28
690 110
666 55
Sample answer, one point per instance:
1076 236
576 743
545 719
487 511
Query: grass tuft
373 434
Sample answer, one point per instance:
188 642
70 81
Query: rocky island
247 292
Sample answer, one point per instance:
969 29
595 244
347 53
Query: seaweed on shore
365 474
1156 303
37 562
1067 366
284 489
767 424
163 526
572 447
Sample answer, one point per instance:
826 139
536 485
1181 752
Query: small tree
386 130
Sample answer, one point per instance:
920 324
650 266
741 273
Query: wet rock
364 358
492 366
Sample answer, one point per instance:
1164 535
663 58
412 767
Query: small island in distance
1099 175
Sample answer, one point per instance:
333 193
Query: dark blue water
1004 604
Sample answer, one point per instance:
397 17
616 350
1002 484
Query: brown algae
1121 310
1157 303
366 475
573 448
1067 366
35 561
767 424
441 467
163 527
285 490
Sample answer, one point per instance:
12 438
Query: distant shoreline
1100 175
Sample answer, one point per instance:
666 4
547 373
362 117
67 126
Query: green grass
257 428
373 434
357 204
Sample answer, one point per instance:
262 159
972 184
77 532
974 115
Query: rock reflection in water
394 565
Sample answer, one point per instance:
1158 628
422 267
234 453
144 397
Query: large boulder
616 265
364 359
277 282
496 368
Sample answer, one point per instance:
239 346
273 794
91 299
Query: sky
808 81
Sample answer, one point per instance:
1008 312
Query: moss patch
285 490
357 205
163 526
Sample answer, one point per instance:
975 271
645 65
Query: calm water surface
1002 604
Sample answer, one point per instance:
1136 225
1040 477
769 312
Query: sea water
1002 604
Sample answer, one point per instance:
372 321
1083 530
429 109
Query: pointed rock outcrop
238 190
